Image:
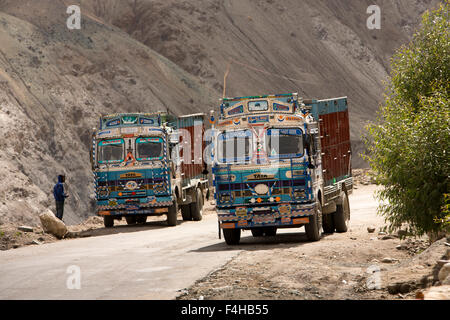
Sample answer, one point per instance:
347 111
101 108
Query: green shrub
408 147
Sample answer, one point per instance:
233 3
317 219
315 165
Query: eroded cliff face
149 55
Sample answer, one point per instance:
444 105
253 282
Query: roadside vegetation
409 145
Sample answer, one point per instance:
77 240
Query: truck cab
268 166
139 169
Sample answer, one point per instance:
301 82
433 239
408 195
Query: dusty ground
339 266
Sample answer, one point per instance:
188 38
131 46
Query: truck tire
328 223
197 206
186 212
315 224
232 236
172 214
141 219
342 215
108 221
270 231
257 232
130 220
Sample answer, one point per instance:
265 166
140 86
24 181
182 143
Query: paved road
151 264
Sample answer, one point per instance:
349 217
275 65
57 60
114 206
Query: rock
51 224
388 260
387 237
381 233
36 242
400 247
444 273
25 229
437 293
405 288
370 229
394 288
402 233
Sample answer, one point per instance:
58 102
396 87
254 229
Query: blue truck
281 162
144 164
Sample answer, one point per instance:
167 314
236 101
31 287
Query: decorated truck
281 162
148 164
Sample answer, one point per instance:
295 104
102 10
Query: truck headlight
299 194
224 197
103 192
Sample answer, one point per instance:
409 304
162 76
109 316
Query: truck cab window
111 151
149 148
284 143
234 146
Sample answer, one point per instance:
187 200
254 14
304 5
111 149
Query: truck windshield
149 148
111 151
234 146
284 143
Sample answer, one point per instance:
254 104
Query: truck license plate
263 220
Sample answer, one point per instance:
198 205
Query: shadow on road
250 243
151 225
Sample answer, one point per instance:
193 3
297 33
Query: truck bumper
146 211
251 217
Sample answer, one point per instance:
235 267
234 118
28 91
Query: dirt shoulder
352 265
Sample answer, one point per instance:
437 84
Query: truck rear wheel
186 212
130 220
197 206
108 221
315 224
172 214
232 236
342 215
328 223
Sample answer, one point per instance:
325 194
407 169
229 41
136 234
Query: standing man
60 196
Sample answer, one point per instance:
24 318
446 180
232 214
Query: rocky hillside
147 55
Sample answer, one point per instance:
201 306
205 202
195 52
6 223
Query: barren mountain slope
54 84
324 46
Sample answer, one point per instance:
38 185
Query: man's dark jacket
58 191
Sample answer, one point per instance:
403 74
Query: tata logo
260 176
129 175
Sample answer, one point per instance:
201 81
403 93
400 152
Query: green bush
408 147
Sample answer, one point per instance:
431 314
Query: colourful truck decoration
144 165
281 162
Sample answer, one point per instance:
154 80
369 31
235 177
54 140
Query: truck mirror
174 138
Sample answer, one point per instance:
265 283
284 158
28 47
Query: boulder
444 273
51 224
437 293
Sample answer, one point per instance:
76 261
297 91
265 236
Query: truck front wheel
108 221
130 220
232 236
270 231
172 214
315 224
257 232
